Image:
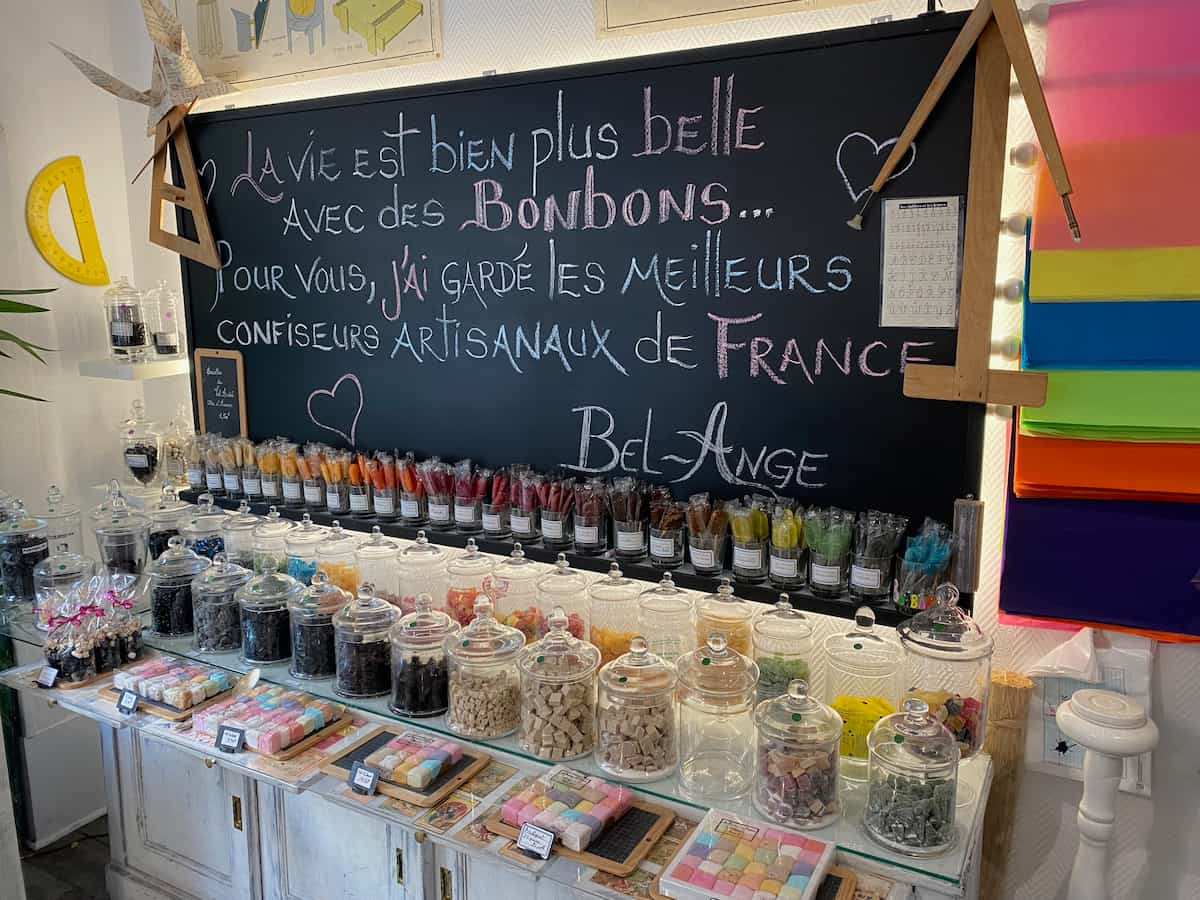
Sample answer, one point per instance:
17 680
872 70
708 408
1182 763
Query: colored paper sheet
1111 335
1106 470
1105 38
1122 563
1142 406
1154 273
1124 109
1128 193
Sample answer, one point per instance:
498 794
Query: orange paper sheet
1106 470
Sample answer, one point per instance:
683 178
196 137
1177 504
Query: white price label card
363 780
230 739
535 840
127 703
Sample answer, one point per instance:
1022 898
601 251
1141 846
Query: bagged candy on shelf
707 525
120 595
68 646
335 471
266 458
497 499
414 505
309 466
438 480
526 504
381 475
591 516
291 474
470 488
630 508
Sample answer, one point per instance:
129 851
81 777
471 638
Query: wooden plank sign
220 391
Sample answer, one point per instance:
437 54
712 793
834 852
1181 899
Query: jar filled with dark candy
216 613
171 577
123 539
300 545
128 336
202 531
266 623
364 648
312 611
142 445
165 520
419 678
23 545
237 531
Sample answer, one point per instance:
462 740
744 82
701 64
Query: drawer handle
237 812
419 836
446 884
209 762
399 865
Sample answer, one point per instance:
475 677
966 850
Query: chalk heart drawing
351 385
212 184
852 149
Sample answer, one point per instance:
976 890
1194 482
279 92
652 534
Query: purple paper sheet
1128 563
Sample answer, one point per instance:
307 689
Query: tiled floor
70 869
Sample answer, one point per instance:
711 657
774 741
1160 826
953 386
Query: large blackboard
700 315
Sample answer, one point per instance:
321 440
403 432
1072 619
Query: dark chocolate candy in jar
312 612
23 545
123 539
171 577
419 678
364 655
216 613
266 627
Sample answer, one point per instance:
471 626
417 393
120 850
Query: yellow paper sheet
1153 273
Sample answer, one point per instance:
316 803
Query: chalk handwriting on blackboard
205 166
354 386
848 143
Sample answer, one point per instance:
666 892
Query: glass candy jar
64 522
378 561
591 517
787 567
861 669
311 612
419 678
717 687
514 592
141 444
128 336
202 531
237 531
485 691
216 614
266 624
163 318
23 545
667 619
270 543
336 558
171 576
636 737
613 613
53 579
948 664
796 773
123 539
565 587
422 571
558 693
467 577
300 545
364 645
726 613
751 530
783 648
912 782
166 518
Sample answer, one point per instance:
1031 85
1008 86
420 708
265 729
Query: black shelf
684 576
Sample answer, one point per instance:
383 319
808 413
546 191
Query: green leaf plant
8 305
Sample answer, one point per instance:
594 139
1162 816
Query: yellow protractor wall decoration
66 173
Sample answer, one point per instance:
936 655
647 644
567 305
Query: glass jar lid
562 580
470 564
638 673
944 630
177 561
862 648
20 522
559 655
421 554
337 542
319 600
724 604
221 577
270 590
57 506
137 425
914 740
102 509
63 564
241 521
614 587
205 518
717 670
367 614
424 627
274 527
377 547
517 567
121 293
121 520
169 507
485 640
783 623
798 716
305 536
665 598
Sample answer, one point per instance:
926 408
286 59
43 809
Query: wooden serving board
446 783
164 710
96 679
315 738
613 867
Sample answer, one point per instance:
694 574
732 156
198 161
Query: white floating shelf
109 368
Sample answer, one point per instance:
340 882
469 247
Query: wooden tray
96 679
445 784
315 738
164 710
603 863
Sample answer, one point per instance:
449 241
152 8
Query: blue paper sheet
1112 335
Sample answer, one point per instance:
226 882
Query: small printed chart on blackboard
220 392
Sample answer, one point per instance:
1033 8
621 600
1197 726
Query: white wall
52 112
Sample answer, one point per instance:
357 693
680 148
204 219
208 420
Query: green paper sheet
1118 406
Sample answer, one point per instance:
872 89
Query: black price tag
47 677
127 702
230 739
363 780
535 841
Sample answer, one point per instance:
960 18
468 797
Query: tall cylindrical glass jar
565 587
468 576
216 613
485 684
171 577
783 648
128 336
423 571
123 539
420 682
558 693
201 532
514 591
364 645
335 557
266 621
726 613
379 566
166 518
311 612
613 613
141 445
162 301
301 548
238 533
23 545
667 619
636 728
270 543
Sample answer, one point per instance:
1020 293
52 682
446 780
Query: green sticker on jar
541 659
796 717
899 739
705 661
622 679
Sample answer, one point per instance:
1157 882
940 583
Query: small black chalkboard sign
220 392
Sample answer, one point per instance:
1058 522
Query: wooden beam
1005 387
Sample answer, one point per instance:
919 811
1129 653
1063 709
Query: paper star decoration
175 79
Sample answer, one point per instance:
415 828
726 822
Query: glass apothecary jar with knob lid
420 680
141 445
565 587
23 545
379 566
423 571
337 559
171 576
558 693
514 591
216 614
782 647
485 684
123 539
266 622
270 543
166 518
311 613
636 728
796 774
201 531
364 645
125 315
300 545
667 619
238 532
613 613
64 521
725 612
468 576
